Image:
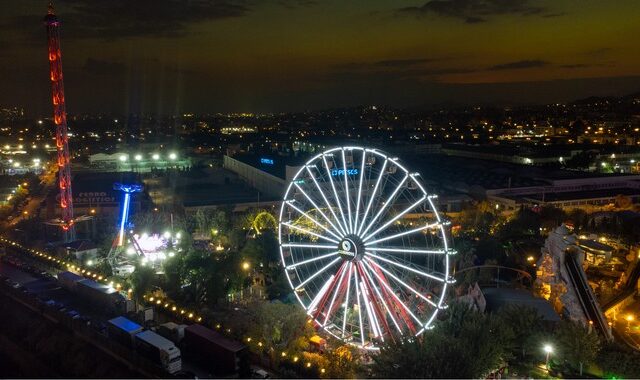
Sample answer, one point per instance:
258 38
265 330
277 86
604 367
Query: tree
253 251
526 324
195 275
478 217
490 248
525 223
142 280
278 286
617 362
173 270
551 217
340 363
576 345
280 325
467 344
578 217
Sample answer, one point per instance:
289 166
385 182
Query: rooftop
271 163
585 194
125 324
499 297
212 336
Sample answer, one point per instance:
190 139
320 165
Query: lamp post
548 349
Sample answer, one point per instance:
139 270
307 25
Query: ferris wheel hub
351 248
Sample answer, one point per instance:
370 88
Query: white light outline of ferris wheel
346 224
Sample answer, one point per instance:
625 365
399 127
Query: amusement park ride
129 247
66 220
363 246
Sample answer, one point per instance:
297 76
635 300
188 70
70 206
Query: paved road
47 181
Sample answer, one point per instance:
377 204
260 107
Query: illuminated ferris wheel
363 246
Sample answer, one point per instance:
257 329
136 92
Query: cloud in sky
477 11
156 18
518 65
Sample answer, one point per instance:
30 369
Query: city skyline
173 57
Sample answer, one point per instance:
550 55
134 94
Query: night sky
167 57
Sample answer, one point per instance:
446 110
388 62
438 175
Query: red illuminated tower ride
60 119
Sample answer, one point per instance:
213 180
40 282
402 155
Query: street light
245 265
548 349
629 319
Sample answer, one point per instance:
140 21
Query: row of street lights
155 156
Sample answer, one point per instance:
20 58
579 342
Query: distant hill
609 99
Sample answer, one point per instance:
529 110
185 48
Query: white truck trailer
160 350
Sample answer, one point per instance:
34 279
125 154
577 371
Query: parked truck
160 350
213 350
123 330
68 280
172 331
98 294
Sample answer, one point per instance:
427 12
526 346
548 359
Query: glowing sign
266 161
339 172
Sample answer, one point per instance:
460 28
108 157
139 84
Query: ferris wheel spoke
292 226
356 217
317 246
322 257
346 302
400 215
372 196
313 220
393 294
412 289
355 277
338 287
372 324
303 283
424 274
326 201
318 297
385 205
367 297
346 191
318 208
405 250
381 298
335 193
404 233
